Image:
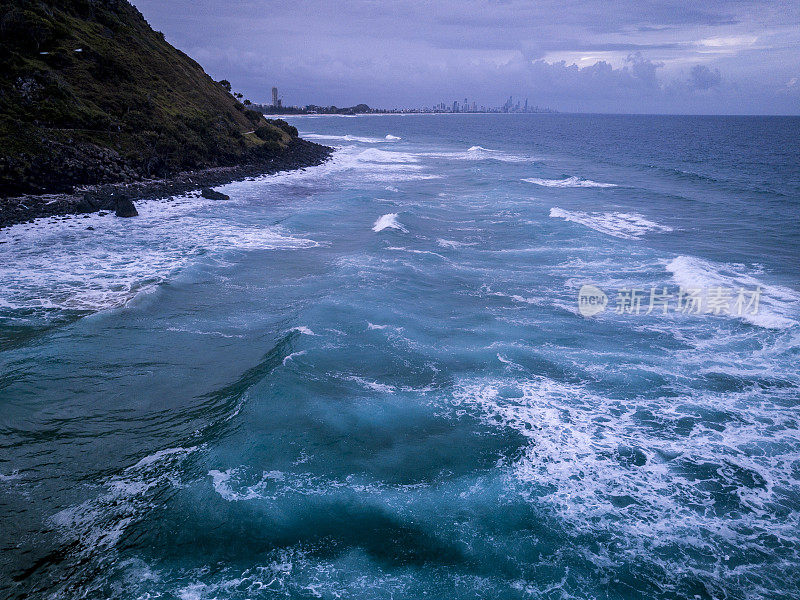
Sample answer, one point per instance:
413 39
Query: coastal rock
126 208
213 194
298 154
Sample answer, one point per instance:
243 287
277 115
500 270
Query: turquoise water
372 379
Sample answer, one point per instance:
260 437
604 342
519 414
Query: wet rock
92 201
125 208
213 194
65 199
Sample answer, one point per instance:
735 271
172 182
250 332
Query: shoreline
299 154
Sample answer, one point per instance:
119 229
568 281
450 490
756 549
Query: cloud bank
726 56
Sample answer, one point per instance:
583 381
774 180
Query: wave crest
776 302
629 226
569 182
388 221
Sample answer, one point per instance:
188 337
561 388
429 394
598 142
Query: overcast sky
673 56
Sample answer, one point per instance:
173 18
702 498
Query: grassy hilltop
90 93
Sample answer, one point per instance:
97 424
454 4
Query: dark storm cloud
665 56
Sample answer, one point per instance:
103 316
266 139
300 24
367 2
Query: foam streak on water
569 182
622 225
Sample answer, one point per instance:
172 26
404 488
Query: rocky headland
97 110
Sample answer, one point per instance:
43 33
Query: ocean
374 378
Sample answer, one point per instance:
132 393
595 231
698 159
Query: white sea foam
479 153
224 483
344 138
11 477
388 221
99 523
296 572
415 251
292 356
60 264
515 297
375 386
625 470
385 156
510 364
243 483
520 298
159 456
569 182
303 329
778 305
201 332
391 137
452 244
630 226
353 165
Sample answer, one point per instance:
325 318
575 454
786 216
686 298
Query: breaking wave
344 138
96 262
777 304
630 226
388 221
569 182
479 153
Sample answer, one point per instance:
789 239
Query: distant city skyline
668 56
466 106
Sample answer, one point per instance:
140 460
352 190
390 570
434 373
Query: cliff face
89 93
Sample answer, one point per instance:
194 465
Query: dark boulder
89 203
213 194
125 208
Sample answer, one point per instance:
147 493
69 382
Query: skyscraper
274 96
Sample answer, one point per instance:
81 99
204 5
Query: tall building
274 96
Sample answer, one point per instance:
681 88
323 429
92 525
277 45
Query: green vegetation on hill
89 93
